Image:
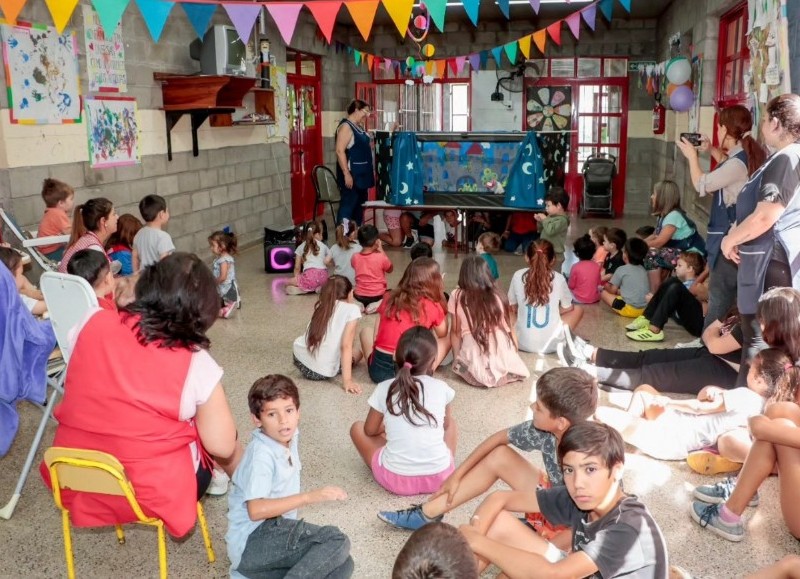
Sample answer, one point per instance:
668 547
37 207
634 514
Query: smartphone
695 139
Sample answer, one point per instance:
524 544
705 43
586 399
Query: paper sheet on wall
105 55
278 82
113 130
42 74
768 41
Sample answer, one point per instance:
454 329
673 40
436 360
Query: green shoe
639 323
645 336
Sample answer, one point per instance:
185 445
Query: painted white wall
494 116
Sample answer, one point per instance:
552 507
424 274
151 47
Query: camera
695 139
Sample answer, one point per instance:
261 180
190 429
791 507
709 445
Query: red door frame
722 100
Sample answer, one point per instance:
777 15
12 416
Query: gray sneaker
707 516
720 492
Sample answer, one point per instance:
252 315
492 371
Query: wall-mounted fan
513 80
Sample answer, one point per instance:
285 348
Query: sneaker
706 461
373 307
219 483
518 251
639 323
565 356
707 516
227 310
409 519
293 290
408 243
580 349
720 492
645 336
696 343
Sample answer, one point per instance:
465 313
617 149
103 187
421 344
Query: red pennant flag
451 62
325 15
555 32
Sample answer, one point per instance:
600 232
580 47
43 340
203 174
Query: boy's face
608 246
543 419
552 208
450 217
106 284
683 271
278 419
590 482
164 216
67 204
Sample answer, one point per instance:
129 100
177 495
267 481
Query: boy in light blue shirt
265 537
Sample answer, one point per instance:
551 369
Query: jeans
682 370
351 205
721 290
381 366
295 549
673 299
516 239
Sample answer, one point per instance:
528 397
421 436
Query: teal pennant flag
472 7
199 16
511 51
436 10
155 14
110 14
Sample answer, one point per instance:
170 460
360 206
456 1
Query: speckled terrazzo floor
257 341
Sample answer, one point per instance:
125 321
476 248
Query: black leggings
682 370
203 475
672 299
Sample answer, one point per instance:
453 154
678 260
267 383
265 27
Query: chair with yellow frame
92 471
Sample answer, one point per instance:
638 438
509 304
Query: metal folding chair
24 240
327 189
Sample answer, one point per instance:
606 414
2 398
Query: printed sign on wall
105 55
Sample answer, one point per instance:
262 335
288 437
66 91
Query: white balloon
679 70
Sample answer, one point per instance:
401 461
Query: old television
220 52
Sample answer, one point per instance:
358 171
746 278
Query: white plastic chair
69 299
25 240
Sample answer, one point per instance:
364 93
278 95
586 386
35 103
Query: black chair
327 191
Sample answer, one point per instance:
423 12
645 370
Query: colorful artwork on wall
105 55
113 131
768 41
42 74
549 108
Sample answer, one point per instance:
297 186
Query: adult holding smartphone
355 171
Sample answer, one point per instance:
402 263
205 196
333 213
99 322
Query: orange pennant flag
370 61
400 11
540 39
61 11
525 46
363 14
429 67
325 15
441 68
555 32
11 9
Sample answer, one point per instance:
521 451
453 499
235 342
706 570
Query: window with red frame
733 58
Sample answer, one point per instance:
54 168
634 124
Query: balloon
410 61
421 22
679 70
428 50
671 87
681 99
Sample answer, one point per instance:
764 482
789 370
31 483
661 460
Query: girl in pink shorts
409 437
310 269
394 235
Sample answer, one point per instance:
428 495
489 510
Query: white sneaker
219 483
696 343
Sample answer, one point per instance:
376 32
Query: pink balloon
420 22
681 99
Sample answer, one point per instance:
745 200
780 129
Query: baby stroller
598 173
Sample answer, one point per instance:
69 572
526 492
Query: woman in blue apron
739 155
765 243
354 166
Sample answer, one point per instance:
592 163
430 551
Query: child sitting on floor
542 301
521 231
564 396
675 298
120 244
265 538
420 249
584 277
224 247
481 335
344 249
598 235
409 436
94 268
626 293
436 551
59 200
310 271
613 242
33 300
371 266
488 244
327 345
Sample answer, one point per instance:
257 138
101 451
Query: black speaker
279 258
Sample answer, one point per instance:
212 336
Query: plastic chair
91 471
69 298
327 189
26 241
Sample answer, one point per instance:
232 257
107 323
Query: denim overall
359 161
721 218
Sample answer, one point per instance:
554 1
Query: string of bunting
285 13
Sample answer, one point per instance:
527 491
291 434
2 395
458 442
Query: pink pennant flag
590 15
388 63
475 61
535 5
574 23
285 16
460 61
243 16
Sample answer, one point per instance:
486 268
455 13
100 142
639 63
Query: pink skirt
408 485
311 279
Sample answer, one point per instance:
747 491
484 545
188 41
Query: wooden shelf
256 123
264 104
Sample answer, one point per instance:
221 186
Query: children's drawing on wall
113 131
42 74
549 108
105 55
282 111
768 40
697 88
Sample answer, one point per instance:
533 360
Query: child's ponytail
336 288
344 234
415 355
78 227
538 279
779 372
312 228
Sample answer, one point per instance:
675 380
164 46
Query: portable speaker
279 258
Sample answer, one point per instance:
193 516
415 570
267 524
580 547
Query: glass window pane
588 129
459 123
291 64
612 101
728 82
460 98
308 67
738 87
730 44
610 130
590 99
616 67
589 67
739 33
562 67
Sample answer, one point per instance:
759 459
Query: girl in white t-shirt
541 301
310 270
327 344
409 437
344 249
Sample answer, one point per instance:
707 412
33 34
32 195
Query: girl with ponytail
409 436
93 224
344 249
310 268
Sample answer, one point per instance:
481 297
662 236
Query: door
304 103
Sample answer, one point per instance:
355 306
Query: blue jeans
295 549
351 205
381 366
516 239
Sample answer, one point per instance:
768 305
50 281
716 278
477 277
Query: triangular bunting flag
363 15
525 46
460 61
403 67
285 16
503 4
11 9
243 16
199 16
535 5
574 23
497 52
110 13
511 51
370 61
484 58
441 65
429 66
474 61
400 11
590 15
155 14
555 32
607 8
626 4
325 15
61 11
388 63
540 39
472 7
357 57
436 10
451 63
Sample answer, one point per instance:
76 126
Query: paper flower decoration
549 108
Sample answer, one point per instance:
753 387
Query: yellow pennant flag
441 67
400 11
540 39
11 9
429 67
363 14
61 11
525 46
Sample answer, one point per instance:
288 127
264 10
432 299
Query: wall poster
105 55
113 131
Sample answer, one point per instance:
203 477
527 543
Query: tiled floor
257 341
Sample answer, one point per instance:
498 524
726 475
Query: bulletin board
42 74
